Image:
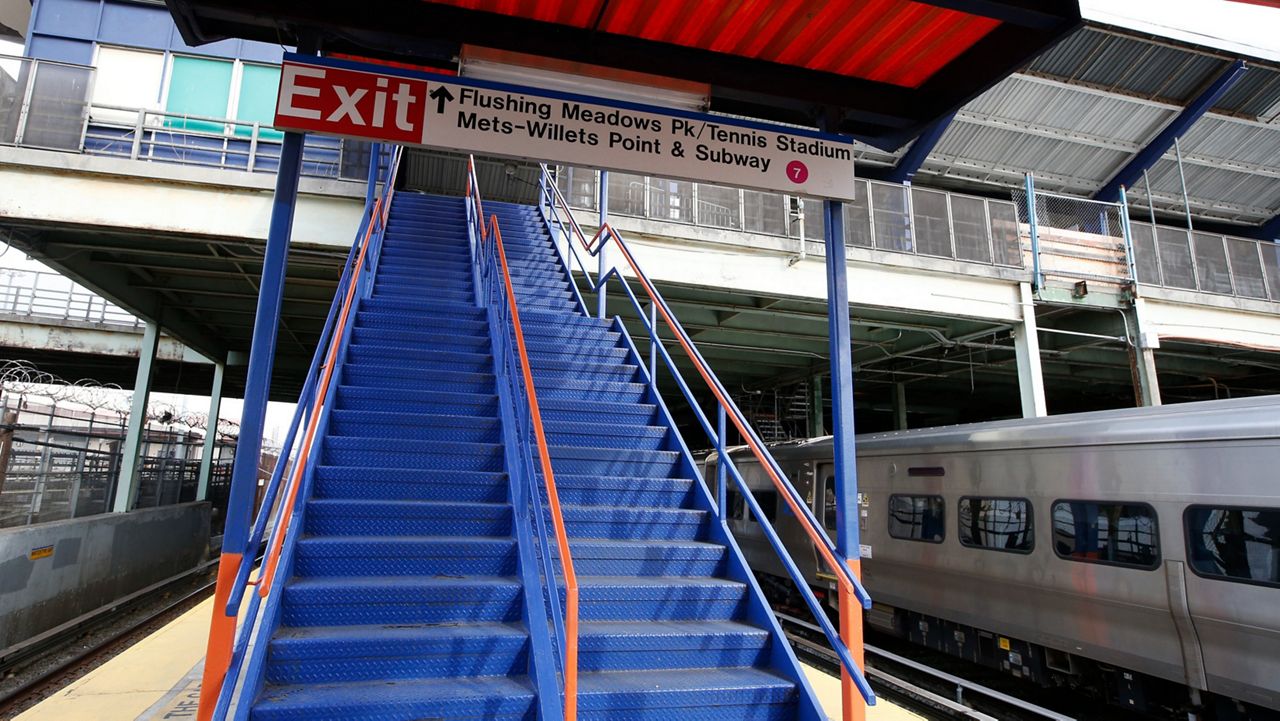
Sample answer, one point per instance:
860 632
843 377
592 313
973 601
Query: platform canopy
880 70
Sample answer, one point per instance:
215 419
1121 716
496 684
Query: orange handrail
272 559
553 496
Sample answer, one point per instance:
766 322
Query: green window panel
198 86
257 102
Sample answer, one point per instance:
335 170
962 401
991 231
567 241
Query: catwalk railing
231 659
43 294
890 217
572 244
48 105
522 422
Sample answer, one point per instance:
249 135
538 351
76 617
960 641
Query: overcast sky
1251 30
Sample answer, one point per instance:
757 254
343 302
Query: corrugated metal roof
1084 108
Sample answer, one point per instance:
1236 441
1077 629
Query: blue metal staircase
405 600
409 594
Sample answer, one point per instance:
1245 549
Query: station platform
158 679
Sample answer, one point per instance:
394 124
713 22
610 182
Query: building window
917 518
999 524
256 101
130 80
1237 544
1116 533
198 87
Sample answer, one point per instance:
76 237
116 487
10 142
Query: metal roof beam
1026 13
1160 144
1270 230
915 156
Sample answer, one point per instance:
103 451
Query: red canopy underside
892 41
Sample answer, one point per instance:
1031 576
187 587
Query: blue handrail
368 242
560 221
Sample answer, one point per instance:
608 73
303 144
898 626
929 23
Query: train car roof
1233 419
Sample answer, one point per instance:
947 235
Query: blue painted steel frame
846 467
1270 230
1160 144
915 156
1037 277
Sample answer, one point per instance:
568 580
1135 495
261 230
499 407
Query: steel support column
603 257
211 432
1026 342
900 407
846 469
1163 141
244 470
127 483
1146 385
817 424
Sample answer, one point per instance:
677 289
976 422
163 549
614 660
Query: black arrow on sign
441 95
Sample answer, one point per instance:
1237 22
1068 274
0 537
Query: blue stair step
423 359
595 557
423 308
594 411
415 426
621 522
361 517
389 399
659 598
416 321
501 698
342 600
428 341
543 351
339 654
400 453
378 375
613 461
595 490
425 290
564 433
405 556
405 484
548 368
739 694
624 646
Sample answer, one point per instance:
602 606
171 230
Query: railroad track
932 693
42 682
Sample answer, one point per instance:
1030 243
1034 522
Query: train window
1236 544
733 499
829 503
1000 524
768 501
917 518
1115 533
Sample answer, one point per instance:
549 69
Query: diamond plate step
329 601
448 699
359 517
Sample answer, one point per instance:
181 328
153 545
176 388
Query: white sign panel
521 122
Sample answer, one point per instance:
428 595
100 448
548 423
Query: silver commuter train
1135 551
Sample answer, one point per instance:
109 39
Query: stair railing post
846 471
603 255
722 464
244 473
1037 277
653 346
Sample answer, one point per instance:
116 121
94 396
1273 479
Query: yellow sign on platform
41 552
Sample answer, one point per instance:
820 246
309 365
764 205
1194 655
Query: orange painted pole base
222 637
855 708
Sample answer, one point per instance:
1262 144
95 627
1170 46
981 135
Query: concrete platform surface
158 679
